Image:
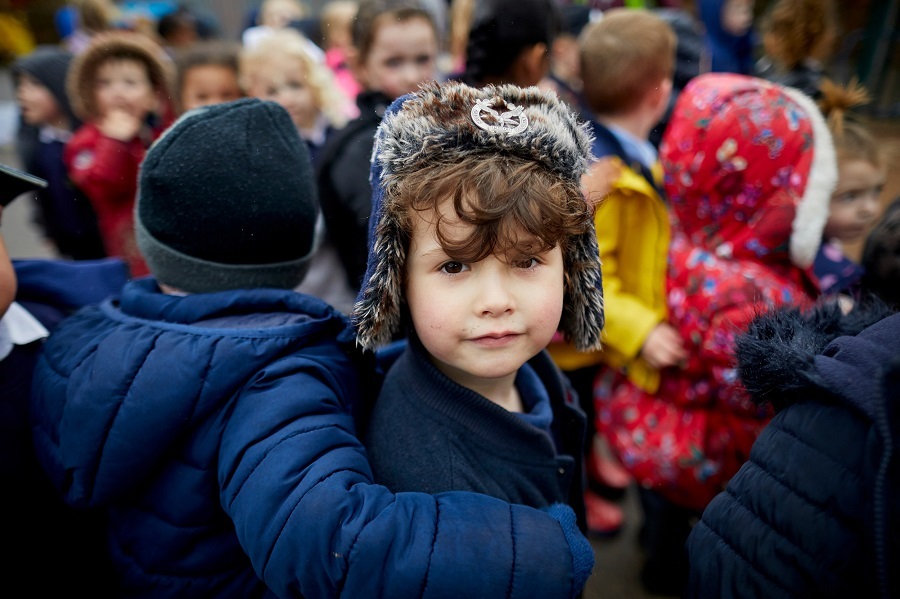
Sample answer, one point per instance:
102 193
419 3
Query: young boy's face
123 84
283 80
208 84
401 57
480 322
855 203
36 103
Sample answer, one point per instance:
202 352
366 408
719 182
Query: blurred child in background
395 48
797 37
274 15
279 68
90 18
119 87
565 59
207 73
627 62
509 41
336 23
64 213
749 170
729 34
856 201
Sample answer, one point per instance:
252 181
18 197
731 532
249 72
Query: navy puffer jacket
217 432
815 512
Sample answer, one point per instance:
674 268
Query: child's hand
120 125
663 347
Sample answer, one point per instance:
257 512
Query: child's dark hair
372 12
518 207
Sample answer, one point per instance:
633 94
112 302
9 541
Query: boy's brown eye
525 263
452 267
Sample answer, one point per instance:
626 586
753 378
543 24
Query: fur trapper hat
115 44
453 120
227 200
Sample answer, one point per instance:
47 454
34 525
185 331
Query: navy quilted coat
815 512
217 432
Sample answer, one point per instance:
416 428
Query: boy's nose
495 298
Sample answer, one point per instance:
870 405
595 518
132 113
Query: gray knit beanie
227 200
452 120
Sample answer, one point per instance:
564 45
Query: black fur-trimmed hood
788 351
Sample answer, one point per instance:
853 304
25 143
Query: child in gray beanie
47 123
208 410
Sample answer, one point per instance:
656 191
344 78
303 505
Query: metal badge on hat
511 122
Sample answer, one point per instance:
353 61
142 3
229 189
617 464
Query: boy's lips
496 339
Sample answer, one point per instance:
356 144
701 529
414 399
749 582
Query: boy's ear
658 98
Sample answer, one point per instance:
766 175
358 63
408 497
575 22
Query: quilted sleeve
790 522
296 482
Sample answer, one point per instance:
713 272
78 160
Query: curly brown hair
517 207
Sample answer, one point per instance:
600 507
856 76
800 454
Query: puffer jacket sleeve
789 524
297 484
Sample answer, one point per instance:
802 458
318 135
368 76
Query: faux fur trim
812 212
119 44
776 355
436 123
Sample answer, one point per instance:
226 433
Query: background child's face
737 16
283 80
36 103
855 203
209 84
280 13
401 57
480 322
124 84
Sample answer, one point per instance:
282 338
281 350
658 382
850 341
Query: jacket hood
750 167
786 352
136 390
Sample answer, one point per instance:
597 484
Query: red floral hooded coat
749 171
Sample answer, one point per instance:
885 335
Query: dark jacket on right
815 512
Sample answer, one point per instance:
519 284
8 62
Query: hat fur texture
114 44
437 122
227 200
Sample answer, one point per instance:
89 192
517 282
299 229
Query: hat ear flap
583 318
377 312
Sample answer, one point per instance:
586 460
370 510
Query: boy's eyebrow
437 250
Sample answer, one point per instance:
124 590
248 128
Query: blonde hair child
279 68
